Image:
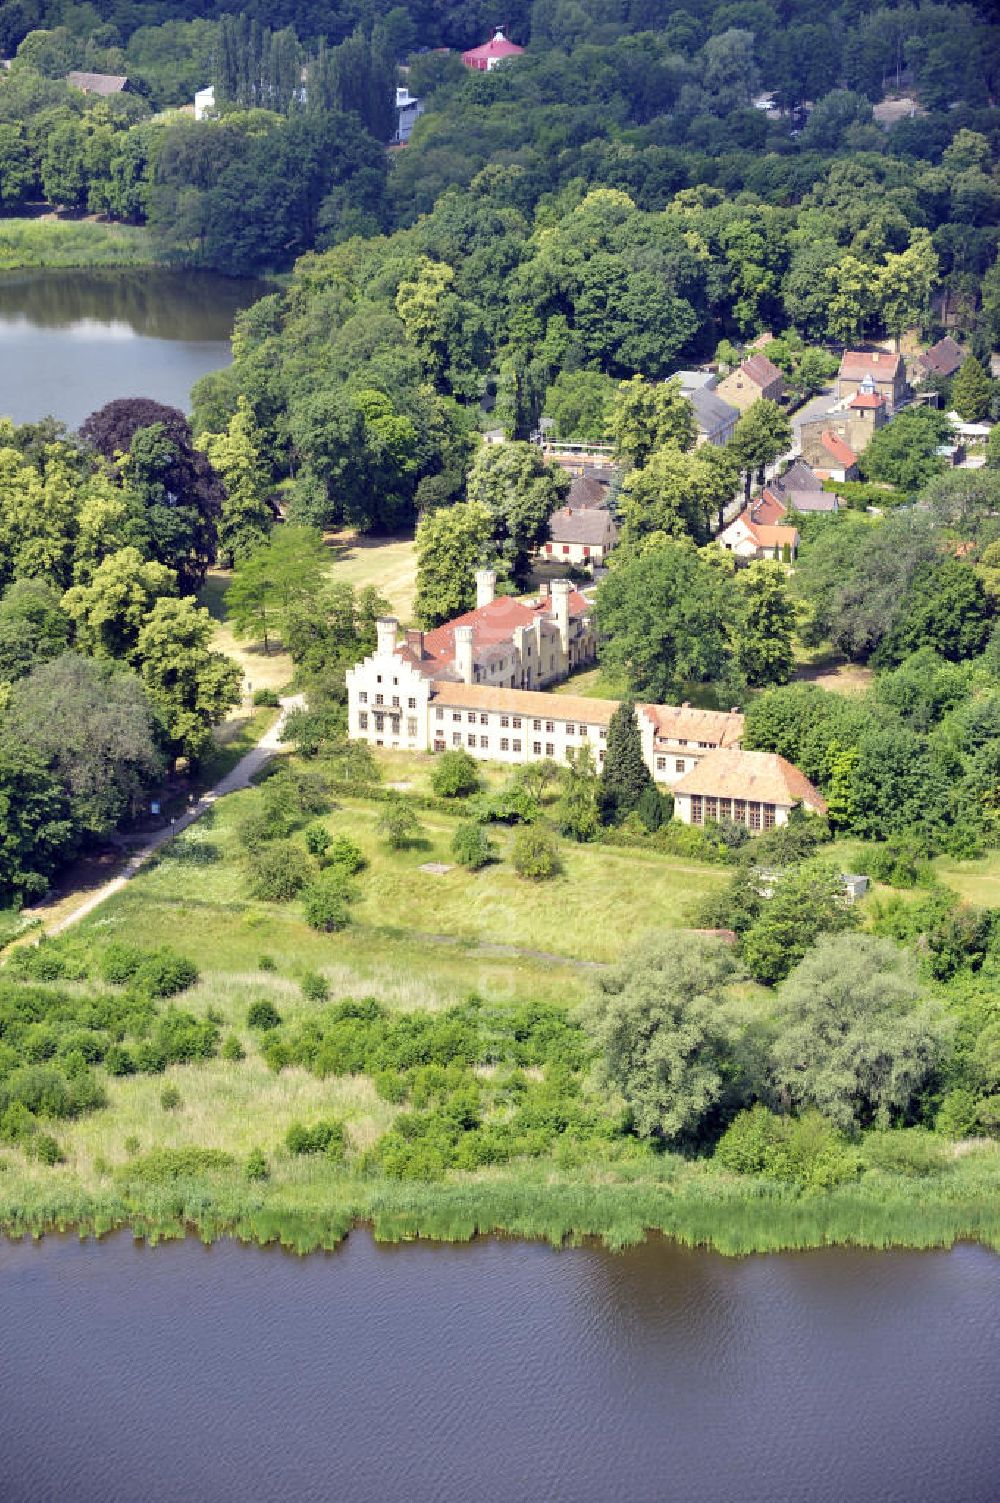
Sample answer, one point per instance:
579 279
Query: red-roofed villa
485 58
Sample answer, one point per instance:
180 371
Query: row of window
749 812
394 723
679 764
509 722
507 744
411 703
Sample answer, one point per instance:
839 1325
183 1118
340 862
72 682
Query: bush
512 804
233 1050
164 972
278 871
170 1098
318 838
807 1151
182 1037
344 854
323 1137
315 988
263 1014
454 774
651 808
325 902
257 1165
472 847
958 1114
118 1060
535 854
173 1163
911 1151
267 963
46 1150
266 698
119 963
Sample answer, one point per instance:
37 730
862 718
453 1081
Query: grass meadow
71 243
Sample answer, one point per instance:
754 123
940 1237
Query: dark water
497 1371
72 340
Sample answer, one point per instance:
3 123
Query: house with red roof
757 377
749 538
885 373
485 58
830 455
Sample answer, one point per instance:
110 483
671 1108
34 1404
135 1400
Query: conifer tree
625 776
971 391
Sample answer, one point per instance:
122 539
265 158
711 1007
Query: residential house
485 58
800 489
830 455
757 377
101 84
798 477
588 490
750 539
942 359
886 372
580 537
204 102
756 789
715 419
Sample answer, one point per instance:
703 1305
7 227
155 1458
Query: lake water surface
496 1371
72 340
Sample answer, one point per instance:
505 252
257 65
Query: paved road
241 776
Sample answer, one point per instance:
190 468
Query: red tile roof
497 47
834 444
492 625
855 365
768 508
867 399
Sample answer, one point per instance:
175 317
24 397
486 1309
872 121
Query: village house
581 537
830 455
943 359
854 421
756 533
800 489
485 58
757 377
886 373
752 788
588 490
715 419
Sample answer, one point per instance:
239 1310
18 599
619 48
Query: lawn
262 670
975 881
61 242
388 563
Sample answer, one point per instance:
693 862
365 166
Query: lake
496 1371
72 340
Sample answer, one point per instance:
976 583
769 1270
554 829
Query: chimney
486 584
559 590
415 640
463 654
386 628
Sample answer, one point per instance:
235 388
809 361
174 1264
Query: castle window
550 750
472 740
505 743
754 816
536 725
439 714
472 717
456 714
484 742
411 726
505 720
517 744
363 721
661 764
768 816
536 747
550 726
380 699
411 704
679 764
484 720
711 808
516 722
697 816
571 729
456 738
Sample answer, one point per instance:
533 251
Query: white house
408 111
581 537
756 789
749 538
204 102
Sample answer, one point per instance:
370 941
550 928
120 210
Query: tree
89 724
677 494
33 627
806 902
662 617
237 456
399 826
993 448
452 543
455 774
472 847
761 436
580 404
535 854
190 687
972 391
108 613
946 608
576 813
624 776
855 1038
36 830
174 496
520 492
647 417
762 645
904 284
658 1017
904 452
282 573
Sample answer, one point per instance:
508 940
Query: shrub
512 804
118 1060
807 1151
318 838
399 826
266 698
315 988
170 1098
472 847
535 854
454 774
257 1168
182 1037
119 963
267 963
232 1049
164 973
911 1151
325 902
150 1058
650 808
323 1137
263 1014
345 855
958 1114
278 871
173 1163
46 1150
